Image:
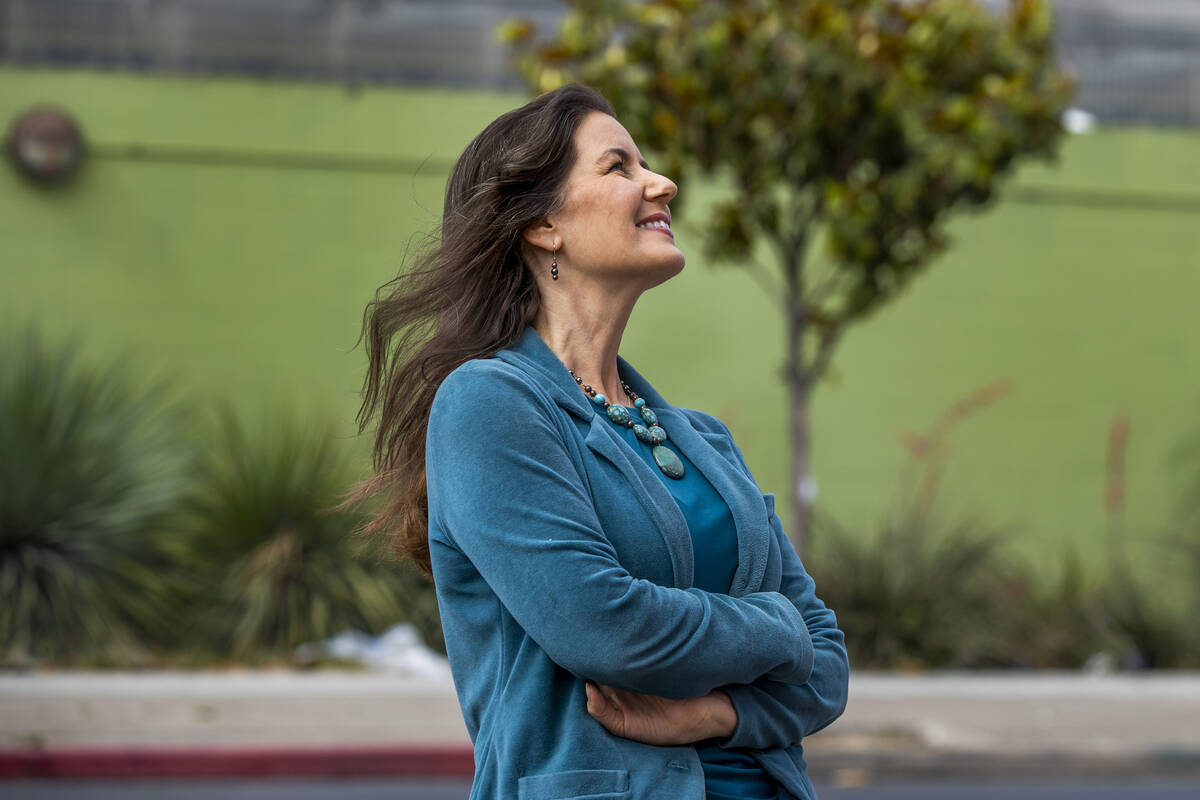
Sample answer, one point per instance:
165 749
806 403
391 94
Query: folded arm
760 715
775 713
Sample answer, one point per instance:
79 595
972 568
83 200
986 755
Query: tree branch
822 291
767 282
829 338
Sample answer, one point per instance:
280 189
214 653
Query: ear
543 235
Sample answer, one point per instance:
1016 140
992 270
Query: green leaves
119 543
90 468
895 112
276 565
918 592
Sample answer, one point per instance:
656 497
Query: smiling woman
623 613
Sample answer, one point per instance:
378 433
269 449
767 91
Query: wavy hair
466 298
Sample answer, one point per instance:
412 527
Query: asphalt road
394 789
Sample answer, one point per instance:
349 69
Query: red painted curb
153 762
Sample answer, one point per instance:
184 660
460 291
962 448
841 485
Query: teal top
728 774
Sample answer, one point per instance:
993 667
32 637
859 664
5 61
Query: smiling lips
657 222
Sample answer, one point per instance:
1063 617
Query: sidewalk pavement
933 725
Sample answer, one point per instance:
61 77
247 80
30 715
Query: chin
664 270
678 265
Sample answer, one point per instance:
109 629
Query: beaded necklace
654 435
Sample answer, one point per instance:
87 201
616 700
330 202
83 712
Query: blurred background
201 196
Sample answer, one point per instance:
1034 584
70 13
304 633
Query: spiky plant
275 564
90 465
1150 631
917 593
1138 611
921 590
1184 543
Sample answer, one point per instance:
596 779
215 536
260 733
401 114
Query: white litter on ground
398 651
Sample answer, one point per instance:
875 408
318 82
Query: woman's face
614 222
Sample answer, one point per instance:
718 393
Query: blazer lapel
534 356
655 499
744 498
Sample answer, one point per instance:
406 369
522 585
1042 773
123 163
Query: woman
623 613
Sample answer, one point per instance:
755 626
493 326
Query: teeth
658 223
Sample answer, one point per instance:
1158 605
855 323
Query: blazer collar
743 497
533 354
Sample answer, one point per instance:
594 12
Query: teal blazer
560 557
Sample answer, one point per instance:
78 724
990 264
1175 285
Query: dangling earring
554 265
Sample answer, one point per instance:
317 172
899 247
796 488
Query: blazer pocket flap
580 784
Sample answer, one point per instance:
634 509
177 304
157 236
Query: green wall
249 283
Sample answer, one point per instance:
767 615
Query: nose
660 187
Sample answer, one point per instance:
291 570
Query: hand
656 720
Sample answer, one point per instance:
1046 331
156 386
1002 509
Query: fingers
612 696
597 704
603 711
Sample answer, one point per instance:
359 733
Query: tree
848 128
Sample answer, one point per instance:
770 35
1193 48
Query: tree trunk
799 386
800 381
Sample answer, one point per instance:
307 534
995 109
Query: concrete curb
287 723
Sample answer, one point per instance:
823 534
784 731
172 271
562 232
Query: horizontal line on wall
270 159
1109 199
1115 199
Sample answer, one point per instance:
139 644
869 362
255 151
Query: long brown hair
466 298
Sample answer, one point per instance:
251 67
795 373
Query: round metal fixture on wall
46 144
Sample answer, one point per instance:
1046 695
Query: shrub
1054 622
918 593
1149 629
90 466
274 564
1149 632
923 591
1184 542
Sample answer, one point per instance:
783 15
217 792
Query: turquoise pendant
667 461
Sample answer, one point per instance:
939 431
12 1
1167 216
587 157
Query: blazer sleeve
504 490
774 713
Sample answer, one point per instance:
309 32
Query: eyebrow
624 154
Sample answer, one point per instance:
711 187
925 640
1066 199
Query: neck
585 332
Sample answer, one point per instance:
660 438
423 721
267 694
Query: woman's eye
618 165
